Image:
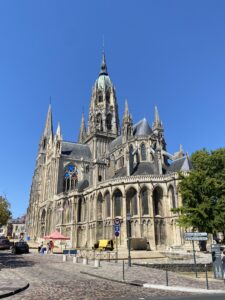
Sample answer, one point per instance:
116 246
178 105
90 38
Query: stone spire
58 131
82 134
48 131
157 124
127 129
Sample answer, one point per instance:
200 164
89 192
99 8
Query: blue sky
165 53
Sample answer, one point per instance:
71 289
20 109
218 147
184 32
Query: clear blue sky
168 53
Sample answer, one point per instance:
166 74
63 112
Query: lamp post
128 238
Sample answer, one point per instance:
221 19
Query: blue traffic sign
117 229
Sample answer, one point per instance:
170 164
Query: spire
127 126
157 120
48 131
157 124
82 134
103 70
58 130
126 110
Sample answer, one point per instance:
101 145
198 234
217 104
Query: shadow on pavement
8 260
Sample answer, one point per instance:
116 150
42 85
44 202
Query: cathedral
113 171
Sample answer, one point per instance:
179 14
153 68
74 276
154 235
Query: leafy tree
203 192
5 212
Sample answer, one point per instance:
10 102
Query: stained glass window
70 178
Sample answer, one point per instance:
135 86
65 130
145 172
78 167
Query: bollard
64 258
85 261
97 263
206 278
123 272
75 259
167 279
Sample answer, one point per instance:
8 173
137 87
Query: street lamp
129 237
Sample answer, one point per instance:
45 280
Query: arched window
144 201
99 207
131 201
70 178
143 152
172 197
107 205
107 96
99 122
157 201
79 210
109 121
100 97
43 215
117 203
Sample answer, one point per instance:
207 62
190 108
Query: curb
160 287
114 280
15 291
182 289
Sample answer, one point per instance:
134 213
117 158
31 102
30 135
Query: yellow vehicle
104 245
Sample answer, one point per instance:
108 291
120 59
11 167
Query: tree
5 212
203 193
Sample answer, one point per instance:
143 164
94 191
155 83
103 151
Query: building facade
79 188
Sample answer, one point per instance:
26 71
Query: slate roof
141 128
181 164
142 168
76 150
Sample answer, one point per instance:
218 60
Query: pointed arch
131 201
157 196
107 204
79 210
172 198
144 193
117 201
109 121
99 207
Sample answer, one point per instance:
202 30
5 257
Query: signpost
195 236
117 233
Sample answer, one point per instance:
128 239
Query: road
50 278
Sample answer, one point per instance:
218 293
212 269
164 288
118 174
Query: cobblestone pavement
51 278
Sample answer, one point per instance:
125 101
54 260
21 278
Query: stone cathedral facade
114 169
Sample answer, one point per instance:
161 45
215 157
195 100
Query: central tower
103 119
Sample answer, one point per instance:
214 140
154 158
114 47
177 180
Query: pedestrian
223 261
39 247
51 244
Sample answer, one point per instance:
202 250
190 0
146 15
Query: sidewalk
10 283
149 277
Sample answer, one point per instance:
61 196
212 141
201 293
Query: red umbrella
56 236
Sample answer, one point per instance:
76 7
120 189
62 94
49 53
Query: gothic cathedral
79 188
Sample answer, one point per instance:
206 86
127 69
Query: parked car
4 244
20 247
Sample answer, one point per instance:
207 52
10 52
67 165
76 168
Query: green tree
203 192
5 212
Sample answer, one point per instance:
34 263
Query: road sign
117 221
117 229
192 234
196 238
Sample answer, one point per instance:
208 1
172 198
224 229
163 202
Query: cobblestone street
51 278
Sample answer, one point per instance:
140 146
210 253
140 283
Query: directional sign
196 238
189 234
